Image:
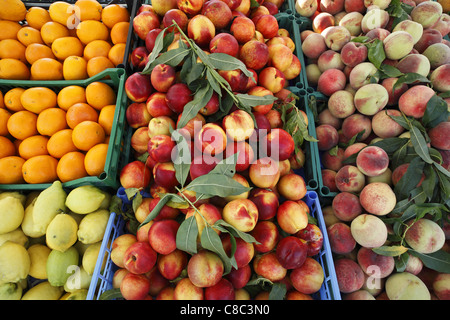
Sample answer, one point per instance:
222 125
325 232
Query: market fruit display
378 69
50 251
66 41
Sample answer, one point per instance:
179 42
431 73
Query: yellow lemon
61 233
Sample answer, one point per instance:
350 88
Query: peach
306 8
134 286
177 96
394 95
314 45
322 21
166 212
341 104
416 63
349 274
211 139
427 13
162 77
254 54
239 277
353 149
350 179
398 44
144 22
429 37
415 29
201 29
373 19
138 87
439 78
443 24
439 136
325 117
359 295
329 179
333 162
243 29
331 6
352 22
244 251
139 140
373 264
406 286
371 98
162 236
239 126
292 186
218 12
414 265
186 290
425 236
245 157
267 236
340 237
362 74
294 69
177 16
398 173
346 206
135 175
369 231
172 264
308 278
223 290
209 215
280 56
378 33
190 7
272 78
355 124
119 246
331 81
264 172
291 252
291 217
372 161
336 37
224 43
267 24
268 266
378 198
328 137
384 126
330 60
241 213
278 144
157 105
441 286
260 91
353 53
205 269
438 54
414 101
354 5
266 201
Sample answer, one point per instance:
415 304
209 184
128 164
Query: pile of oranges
64 42
47 135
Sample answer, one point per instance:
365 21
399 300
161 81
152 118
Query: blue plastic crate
102 279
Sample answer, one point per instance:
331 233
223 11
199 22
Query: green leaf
278 291
154 213
216 185
195 72
223 61
226 227
401 262
111 294
419 144
390 251
187 234
157 49
226 103
253 101
390 145
182 161
376 53
226 166
192 108
213 82
409 78
438 261
435 112
210 240
361 39
410 179
172 58
390 71
430 182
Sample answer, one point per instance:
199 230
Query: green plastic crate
118 150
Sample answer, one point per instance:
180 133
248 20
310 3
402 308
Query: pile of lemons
50 241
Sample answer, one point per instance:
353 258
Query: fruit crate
103 276
118 150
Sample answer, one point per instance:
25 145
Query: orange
37 16
71 166
97 65
7 147
36 51
61 143
29 35
87 134
75 68
4 117
33 146
12 99
13 10
10 48
90 30
13 69
37 99
106 118
88 10
114 13
40 169
117 53
67 46
2 102
50 121
70 95
11 170
95 159
80 112
62 12
119 32
9 29
22 124
47 69
100 94
96 48
53 30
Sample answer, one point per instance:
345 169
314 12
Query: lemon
16 236
61 265
38 255
14 262
90 258
85 199
79 280
61 232
43 291
14 194
10 291
28 222
80 294
48 204
11 214
93 226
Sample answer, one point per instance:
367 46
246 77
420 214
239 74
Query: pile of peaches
264 231
381 69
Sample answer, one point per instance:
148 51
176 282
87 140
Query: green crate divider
118 150
103 276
